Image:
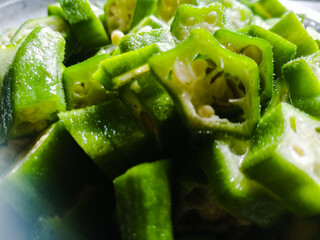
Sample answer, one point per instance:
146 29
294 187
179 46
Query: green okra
290 28
167 8
85 24
152 104
257 49
266 8
5 37
143 201
162 37
284 158
188 17
32 92
283 50
235 193
80 89
125 14
110 71
110 135
217 91
55 9
302 77
41 181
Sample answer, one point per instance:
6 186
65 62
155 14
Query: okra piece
162 37
283 50
110 71
150 22
85 24
258 50
47 176
167 8
235 193
32 88
151 103
143 201
290 28
302 77
55 9
284 158
5 37
56 23
217 91
187 17
123 15
81 90
266 8
110 135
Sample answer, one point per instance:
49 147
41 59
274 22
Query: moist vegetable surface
160 119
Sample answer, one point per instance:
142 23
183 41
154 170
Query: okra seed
252 52
205 111
180 72
219 87
298 150
135 87
116 36
199 67
29 111
211 17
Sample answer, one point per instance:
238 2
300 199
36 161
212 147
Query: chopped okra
160 119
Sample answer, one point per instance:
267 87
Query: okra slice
110 135
302 77
266 8
151 103
167 8
55 9
123 15
81 90
32 88
187 17
47 176
285 158
85 23
236 194
258 50
143 201
216 89
110 70
162 37
290 28
283 50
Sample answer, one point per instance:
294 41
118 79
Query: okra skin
284 158
235 193
290 28
302 77
114 67
84 23
47 176
113 138
188 17
144 201
283 50
192 73
133 41
32 92
257 49
80 89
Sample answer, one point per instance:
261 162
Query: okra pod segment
217 91
291 28
235 193
188 17
113 138
283 50
32 88
284 158
117 71
266 8
143 197
258 50
80 89
302 77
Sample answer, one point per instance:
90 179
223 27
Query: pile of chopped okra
160 119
